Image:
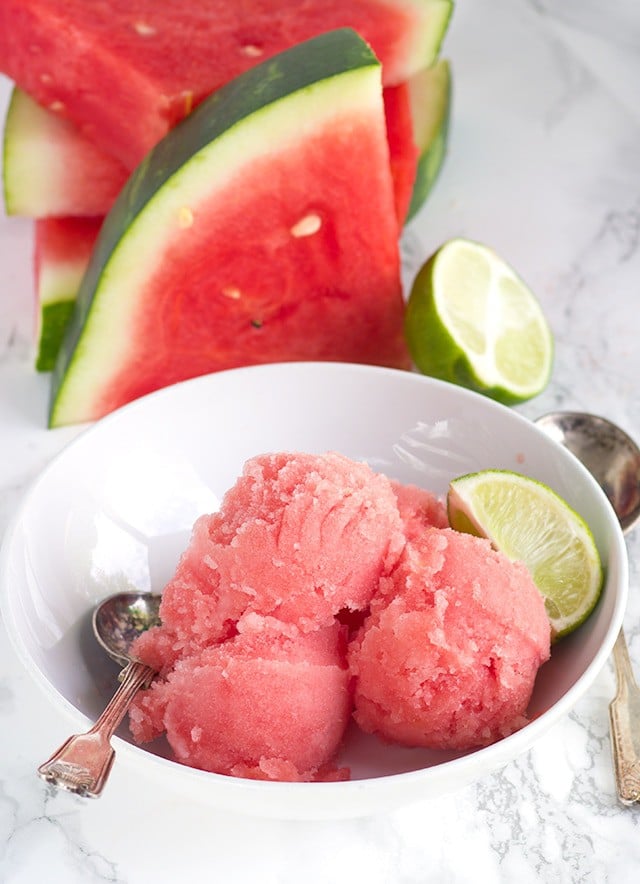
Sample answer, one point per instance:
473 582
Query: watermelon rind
24 178
62 248
437 16
50 169
244 120
430 93
57 286
53 320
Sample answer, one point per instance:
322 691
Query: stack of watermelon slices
101 87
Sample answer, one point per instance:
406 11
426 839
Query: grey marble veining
544 165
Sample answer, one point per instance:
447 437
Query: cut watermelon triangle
53 173
261 229
126 71
57 176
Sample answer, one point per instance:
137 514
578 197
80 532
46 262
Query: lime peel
529 522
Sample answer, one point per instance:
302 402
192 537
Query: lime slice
528 521
472 321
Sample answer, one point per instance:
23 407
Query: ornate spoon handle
624 719
83 762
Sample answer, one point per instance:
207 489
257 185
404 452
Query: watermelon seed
144 29
256 323
230 291
307 226
252 50
56 106
187 94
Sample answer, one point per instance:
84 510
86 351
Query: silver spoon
82 764
613 458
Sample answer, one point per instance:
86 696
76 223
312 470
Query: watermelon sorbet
323 593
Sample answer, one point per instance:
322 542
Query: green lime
472 321
528 521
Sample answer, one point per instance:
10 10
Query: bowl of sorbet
329 645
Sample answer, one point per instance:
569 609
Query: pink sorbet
321 587
299 537
266 704
448 656
419 509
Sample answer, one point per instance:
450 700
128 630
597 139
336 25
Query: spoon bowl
120 619
610 455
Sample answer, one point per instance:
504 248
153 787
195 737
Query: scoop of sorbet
448 656
298 537
264 705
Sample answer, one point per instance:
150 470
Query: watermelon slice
50 169
261 229
62 250
43 156
126 71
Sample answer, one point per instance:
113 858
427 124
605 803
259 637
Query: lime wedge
472 321
528 521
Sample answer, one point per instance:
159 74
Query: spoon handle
624 719
82 764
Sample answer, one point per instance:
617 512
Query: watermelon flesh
270 241
403 152
263 313
126 71
62 250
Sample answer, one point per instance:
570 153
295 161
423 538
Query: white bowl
115 509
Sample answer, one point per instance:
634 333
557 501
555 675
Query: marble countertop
543 165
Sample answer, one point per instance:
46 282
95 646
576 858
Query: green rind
297 69
54 318
433 85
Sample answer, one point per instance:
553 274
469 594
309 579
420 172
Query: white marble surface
544 165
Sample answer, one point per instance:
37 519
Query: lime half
472 321
528 521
